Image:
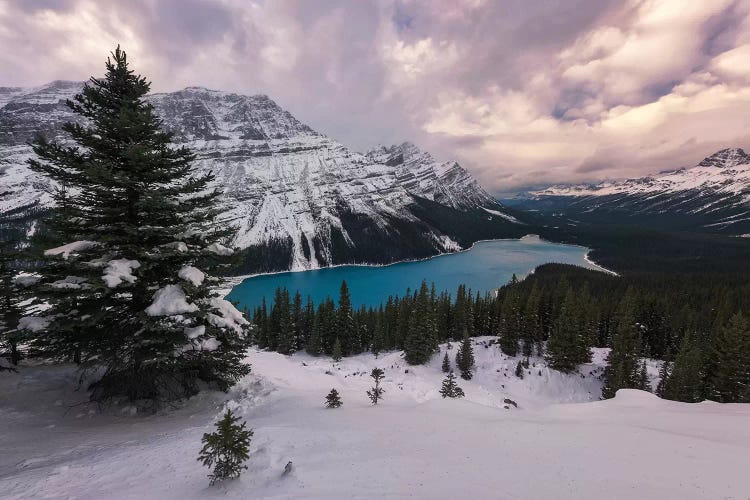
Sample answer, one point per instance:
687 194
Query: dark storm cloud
521 91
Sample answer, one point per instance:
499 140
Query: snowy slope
285 186
560 443
446 183
716 191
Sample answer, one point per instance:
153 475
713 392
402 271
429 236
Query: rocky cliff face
297 199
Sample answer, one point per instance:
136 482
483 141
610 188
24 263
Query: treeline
697 323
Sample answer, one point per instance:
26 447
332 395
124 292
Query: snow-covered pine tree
128 284
446 363
449 388
465 358
333 400
376 393
519 369
227 449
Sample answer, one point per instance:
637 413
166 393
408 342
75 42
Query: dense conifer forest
697 323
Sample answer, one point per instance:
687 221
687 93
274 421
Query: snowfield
560 443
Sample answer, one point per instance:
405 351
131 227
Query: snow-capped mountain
298 199
418 172
715 193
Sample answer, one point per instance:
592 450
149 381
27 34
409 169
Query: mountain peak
197 89
726 158
288 191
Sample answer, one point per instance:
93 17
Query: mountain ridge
297 198
713 195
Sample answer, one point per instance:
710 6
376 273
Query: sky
520 92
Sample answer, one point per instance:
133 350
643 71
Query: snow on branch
33 323
219 249
70 282
192 274
119 271
229 316
180 246
195 331
26 279
71 248
170 300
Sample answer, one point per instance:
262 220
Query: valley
294 198
483 268
711 197
201 296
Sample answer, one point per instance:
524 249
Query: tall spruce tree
465 358
623 363
421 338
685 381
730 355
298 322
345 327
286 332
378 333
644 383
665 370
12 297
532 325
315 342
567 346
337 354
510 323
328 332
126 286
446 366
463 321
261 319
308 320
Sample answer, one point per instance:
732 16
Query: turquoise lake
485 267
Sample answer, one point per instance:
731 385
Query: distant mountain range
297 199
714 195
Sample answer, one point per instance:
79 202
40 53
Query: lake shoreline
231 282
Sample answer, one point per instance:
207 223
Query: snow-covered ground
561 442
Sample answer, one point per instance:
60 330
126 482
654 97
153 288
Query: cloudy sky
520 91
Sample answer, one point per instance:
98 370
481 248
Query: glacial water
485 267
